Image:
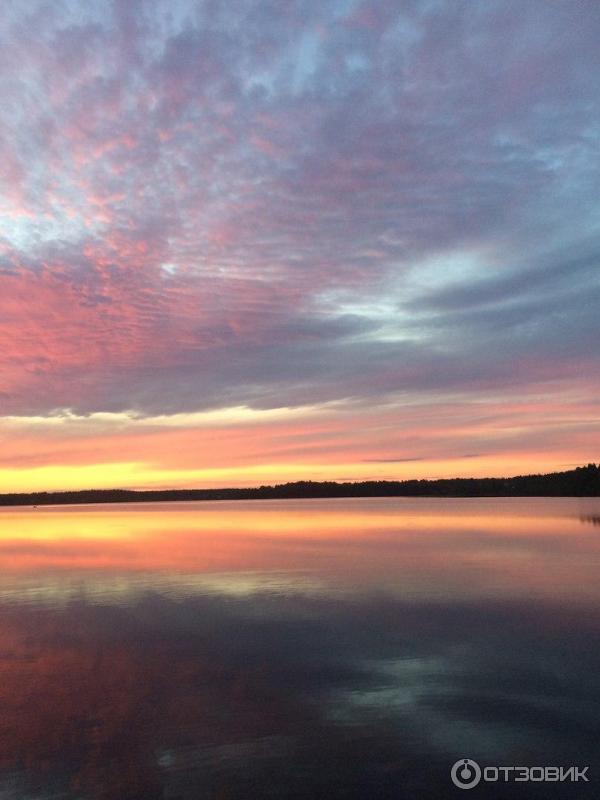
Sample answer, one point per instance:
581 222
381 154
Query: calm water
297 649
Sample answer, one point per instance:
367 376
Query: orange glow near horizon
241 447
143 476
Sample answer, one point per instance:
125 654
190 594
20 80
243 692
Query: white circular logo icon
465 773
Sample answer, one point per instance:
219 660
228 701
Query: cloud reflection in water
360 662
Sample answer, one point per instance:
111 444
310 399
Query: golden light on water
397 544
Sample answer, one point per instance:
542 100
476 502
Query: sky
261 241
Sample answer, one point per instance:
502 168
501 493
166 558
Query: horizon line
297 483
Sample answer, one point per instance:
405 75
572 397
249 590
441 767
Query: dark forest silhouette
579 482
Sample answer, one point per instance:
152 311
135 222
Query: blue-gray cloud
205 204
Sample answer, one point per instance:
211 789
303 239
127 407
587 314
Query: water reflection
302 650
593 519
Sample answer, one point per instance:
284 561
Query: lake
298 649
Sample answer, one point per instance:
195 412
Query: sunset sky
250 242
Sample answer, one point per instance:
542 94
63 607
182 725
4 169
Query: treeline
579 482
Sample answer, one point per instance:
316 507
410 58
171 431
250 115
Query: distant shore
579 482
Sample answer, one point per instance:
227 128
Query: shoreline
579 482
